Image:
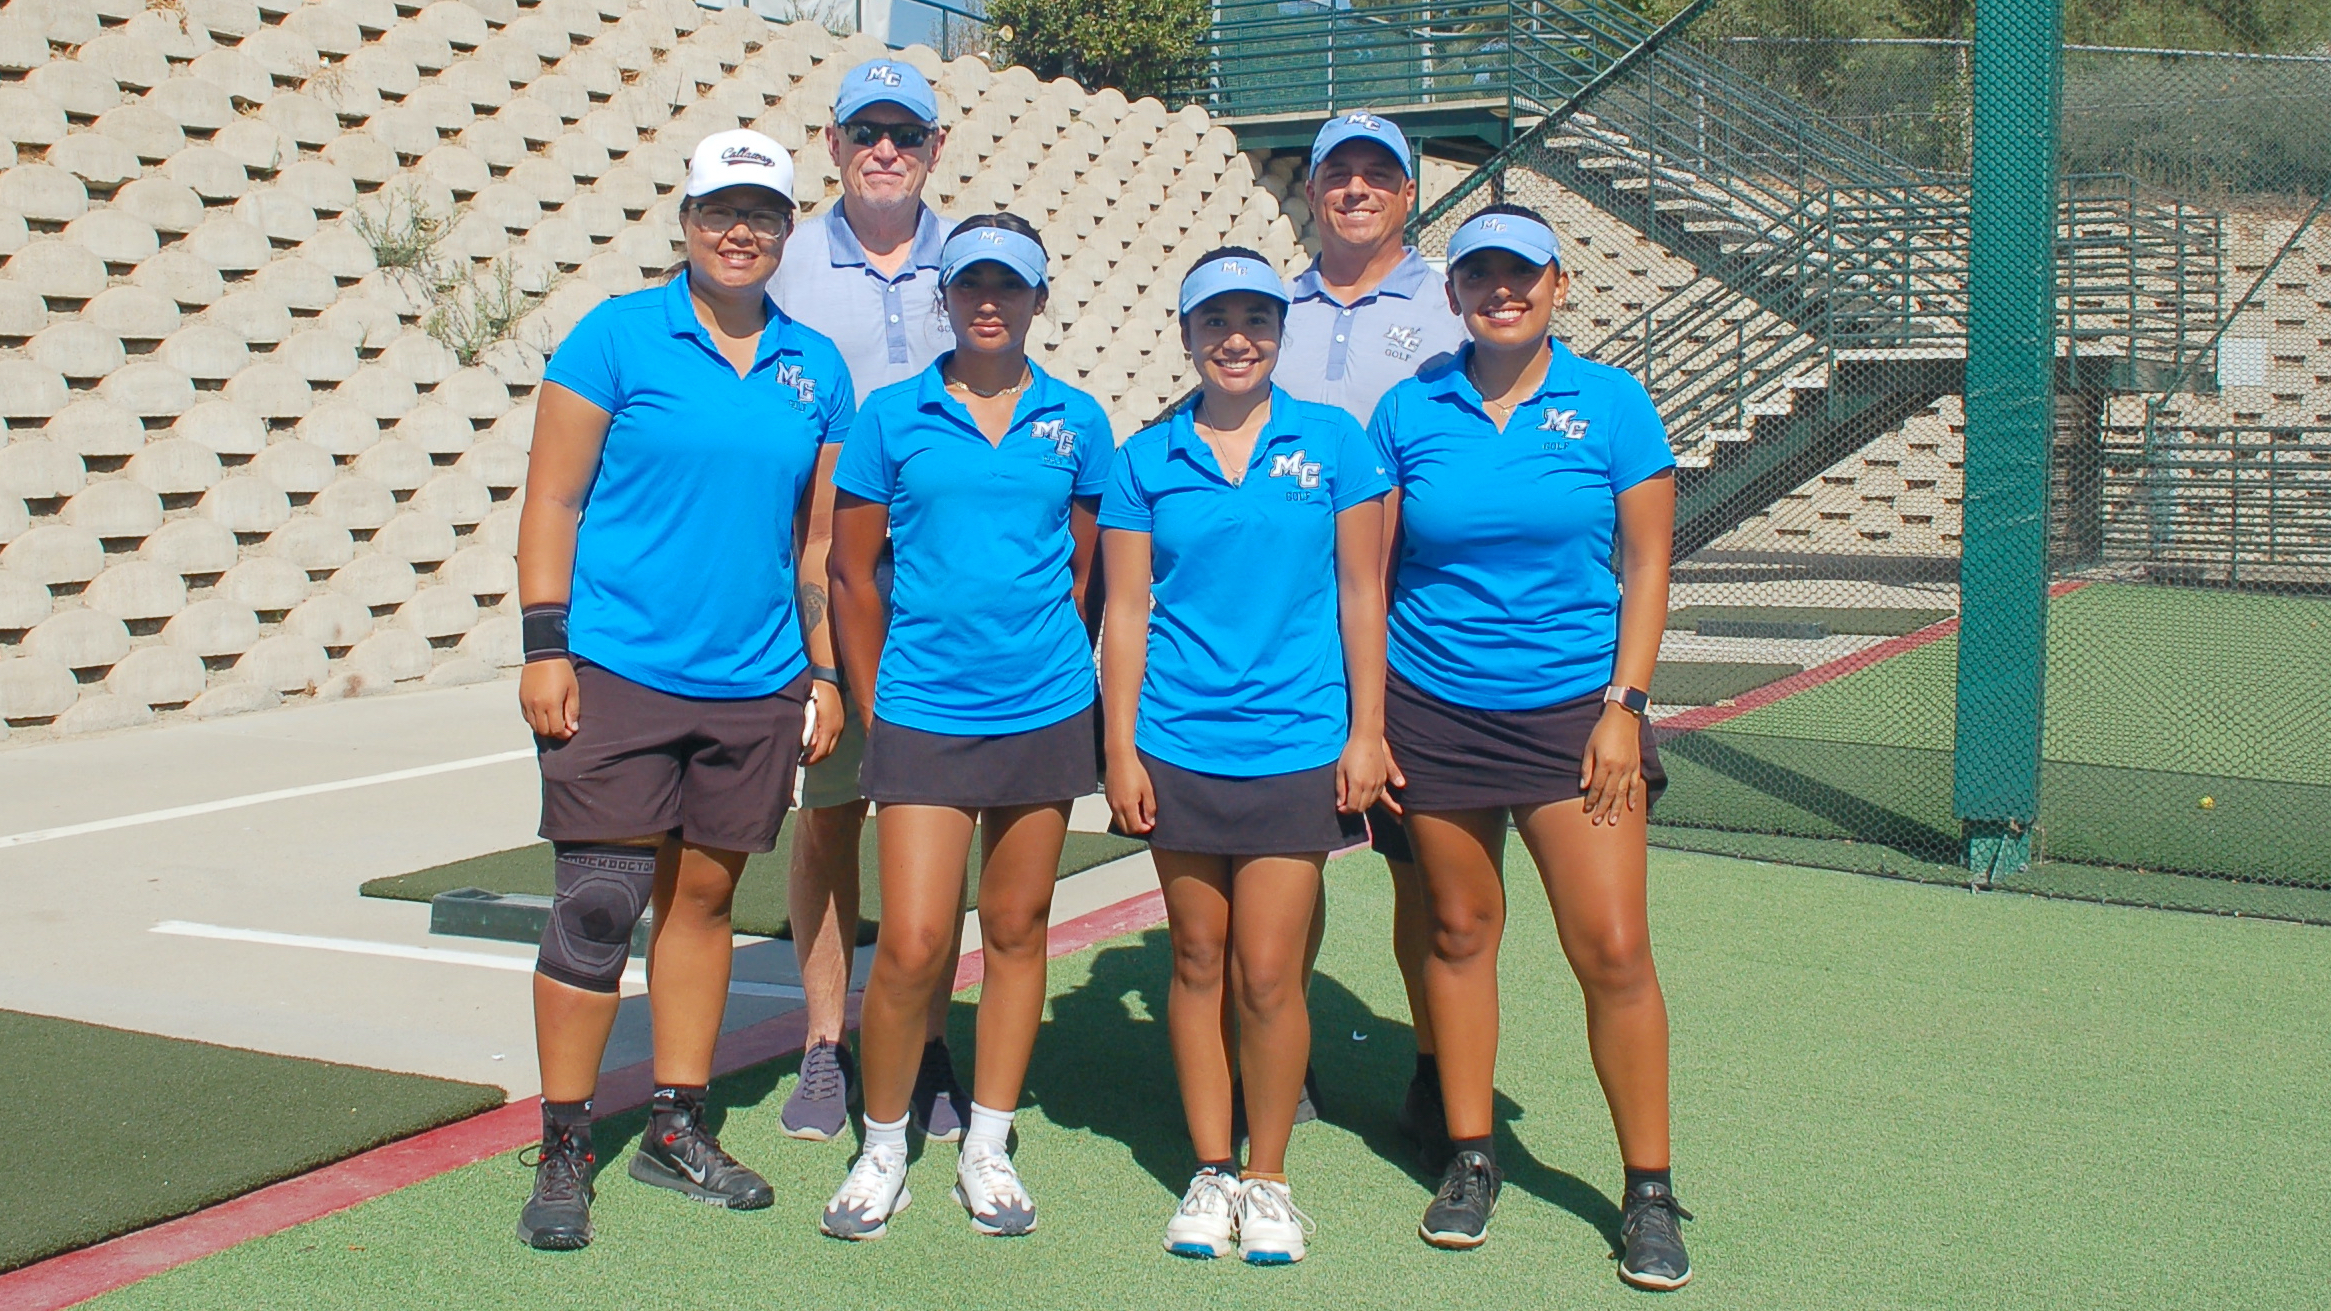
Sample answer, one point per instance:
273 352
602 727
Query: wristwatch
1635 700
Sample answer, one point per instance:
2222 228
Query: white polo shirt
1350 355
888 329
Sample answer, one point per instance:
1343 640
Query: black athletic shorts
1226 815
1459 758
907 766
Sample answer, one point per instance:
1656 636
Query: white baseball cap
739 157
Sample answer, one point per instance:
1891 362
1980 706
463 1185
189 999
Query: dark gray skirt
1269 815
909 767
1458 758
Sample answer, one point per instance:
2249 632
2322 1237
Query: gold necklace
1026 376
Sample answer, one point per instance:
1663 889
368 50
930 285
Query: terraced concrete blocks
392 655
23 602
40 470
137 589
334 621
54 553
158 676
416 537
191 547
115 508
79 639
212 628
35 688
224 427
285 662
376 580
312 543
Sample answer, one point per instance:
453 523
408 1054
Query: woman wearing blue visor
985 473
1243 666
1518 684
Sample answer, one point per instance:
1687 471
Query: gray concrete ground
84 906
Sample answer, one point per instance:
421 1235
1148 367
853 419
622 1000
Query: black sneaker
939 1107
1460 1211
557 1217
1653 1247
678 1153
1424 1120
1307 1105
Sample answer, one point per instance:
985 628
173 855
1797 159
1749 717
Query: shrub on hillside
1140 47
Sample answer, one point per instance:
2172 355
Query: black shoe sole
558 1239
649 1170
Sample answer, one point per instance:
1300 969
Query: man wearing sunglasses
865 273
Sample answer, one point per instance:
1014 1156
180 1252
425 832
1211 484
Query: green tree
1140 47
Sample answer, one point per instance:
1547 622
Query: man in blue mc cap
866 274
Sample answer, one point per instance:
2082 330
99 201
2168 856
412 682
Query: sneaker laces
1465 1183
867 1179
821 1074
998 1179
558 1166
1658 1209
1272 1200
1211 1193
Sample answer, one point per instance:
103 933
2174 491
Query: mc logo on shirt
1565 422
1304 472
1057 434
1402 341
789 375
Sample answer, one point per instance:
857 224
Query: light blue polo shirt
1246 655
1502 594
684 559
984 635
1348 356
888 329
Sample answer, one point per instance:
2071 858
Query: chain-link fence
1771 225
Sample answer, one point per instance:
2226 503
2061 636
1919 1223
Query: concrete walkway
84 904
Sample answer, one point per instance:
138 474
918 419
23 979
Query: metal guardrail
2226 503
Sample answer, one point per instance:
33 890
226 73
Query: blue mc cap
1231 273
1523 236
1362 127
880 80
991 245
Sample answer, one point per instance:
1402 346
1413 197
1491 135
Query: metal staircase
1830 298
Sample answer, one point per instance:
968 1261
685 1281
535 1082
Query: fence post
2010 408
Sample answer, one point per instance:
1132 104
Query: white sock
893 1134
991 1127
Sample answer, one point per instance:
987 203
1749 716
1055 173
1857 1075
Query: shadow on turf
1102 1063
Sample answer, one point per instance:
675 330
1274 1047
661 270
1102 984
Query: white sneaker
875 1191
1270 1229
989 1188
1207 1220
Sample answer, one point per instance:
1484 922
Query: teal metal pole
2010 407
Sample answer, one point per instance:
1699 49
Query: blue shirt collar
680 318
844 249
1449 382
1183 441
1405 280
1044 393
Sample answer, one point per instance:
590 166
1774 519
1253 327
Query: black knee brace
602 890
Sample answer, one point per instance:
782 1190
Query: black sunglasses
906 136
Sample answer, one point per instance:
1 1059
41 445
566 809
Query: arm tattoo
813 604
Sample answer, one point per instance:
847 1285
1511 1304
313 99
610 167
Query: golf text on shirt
699 464
1502 591
984 635
1246 666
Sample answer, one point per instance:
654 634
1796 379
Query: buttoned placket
894 310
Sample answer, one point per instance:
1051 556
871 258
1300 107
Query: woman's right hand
1132 801
551 699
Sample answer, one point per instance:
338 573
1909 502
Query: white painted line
634 974
257 799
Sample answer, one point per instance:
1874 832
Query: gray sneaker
819 1108
940 1106
557 1217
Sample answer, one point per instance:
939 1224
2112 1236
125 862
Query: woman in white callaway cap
667 666
1518 684
1243 663
985 473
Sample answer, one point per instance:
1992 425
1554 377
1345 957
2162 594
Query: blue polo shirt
984 635
1348 356
1502 594
684 559
888 329
1246 657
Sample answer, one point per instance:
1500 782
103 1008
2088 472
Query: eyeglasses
724 218
906 136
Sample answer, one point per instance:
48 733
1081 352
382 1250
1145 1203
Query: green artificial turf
119 1130
1887 1095
2185 731
1706 682
1871 621
760 901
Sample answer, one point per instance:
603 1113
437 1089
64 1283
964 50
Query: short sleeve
1358 476
1381 426
1638 440
865 468
1096 452
838 408
586 362
1126 504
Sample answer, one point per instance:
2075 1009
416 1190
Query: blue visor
1362 127
1231 273
1526 237
996 245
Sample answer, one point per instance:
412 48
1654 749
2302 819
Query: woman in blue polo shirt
1243 665
667 665
1518 685
985 473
